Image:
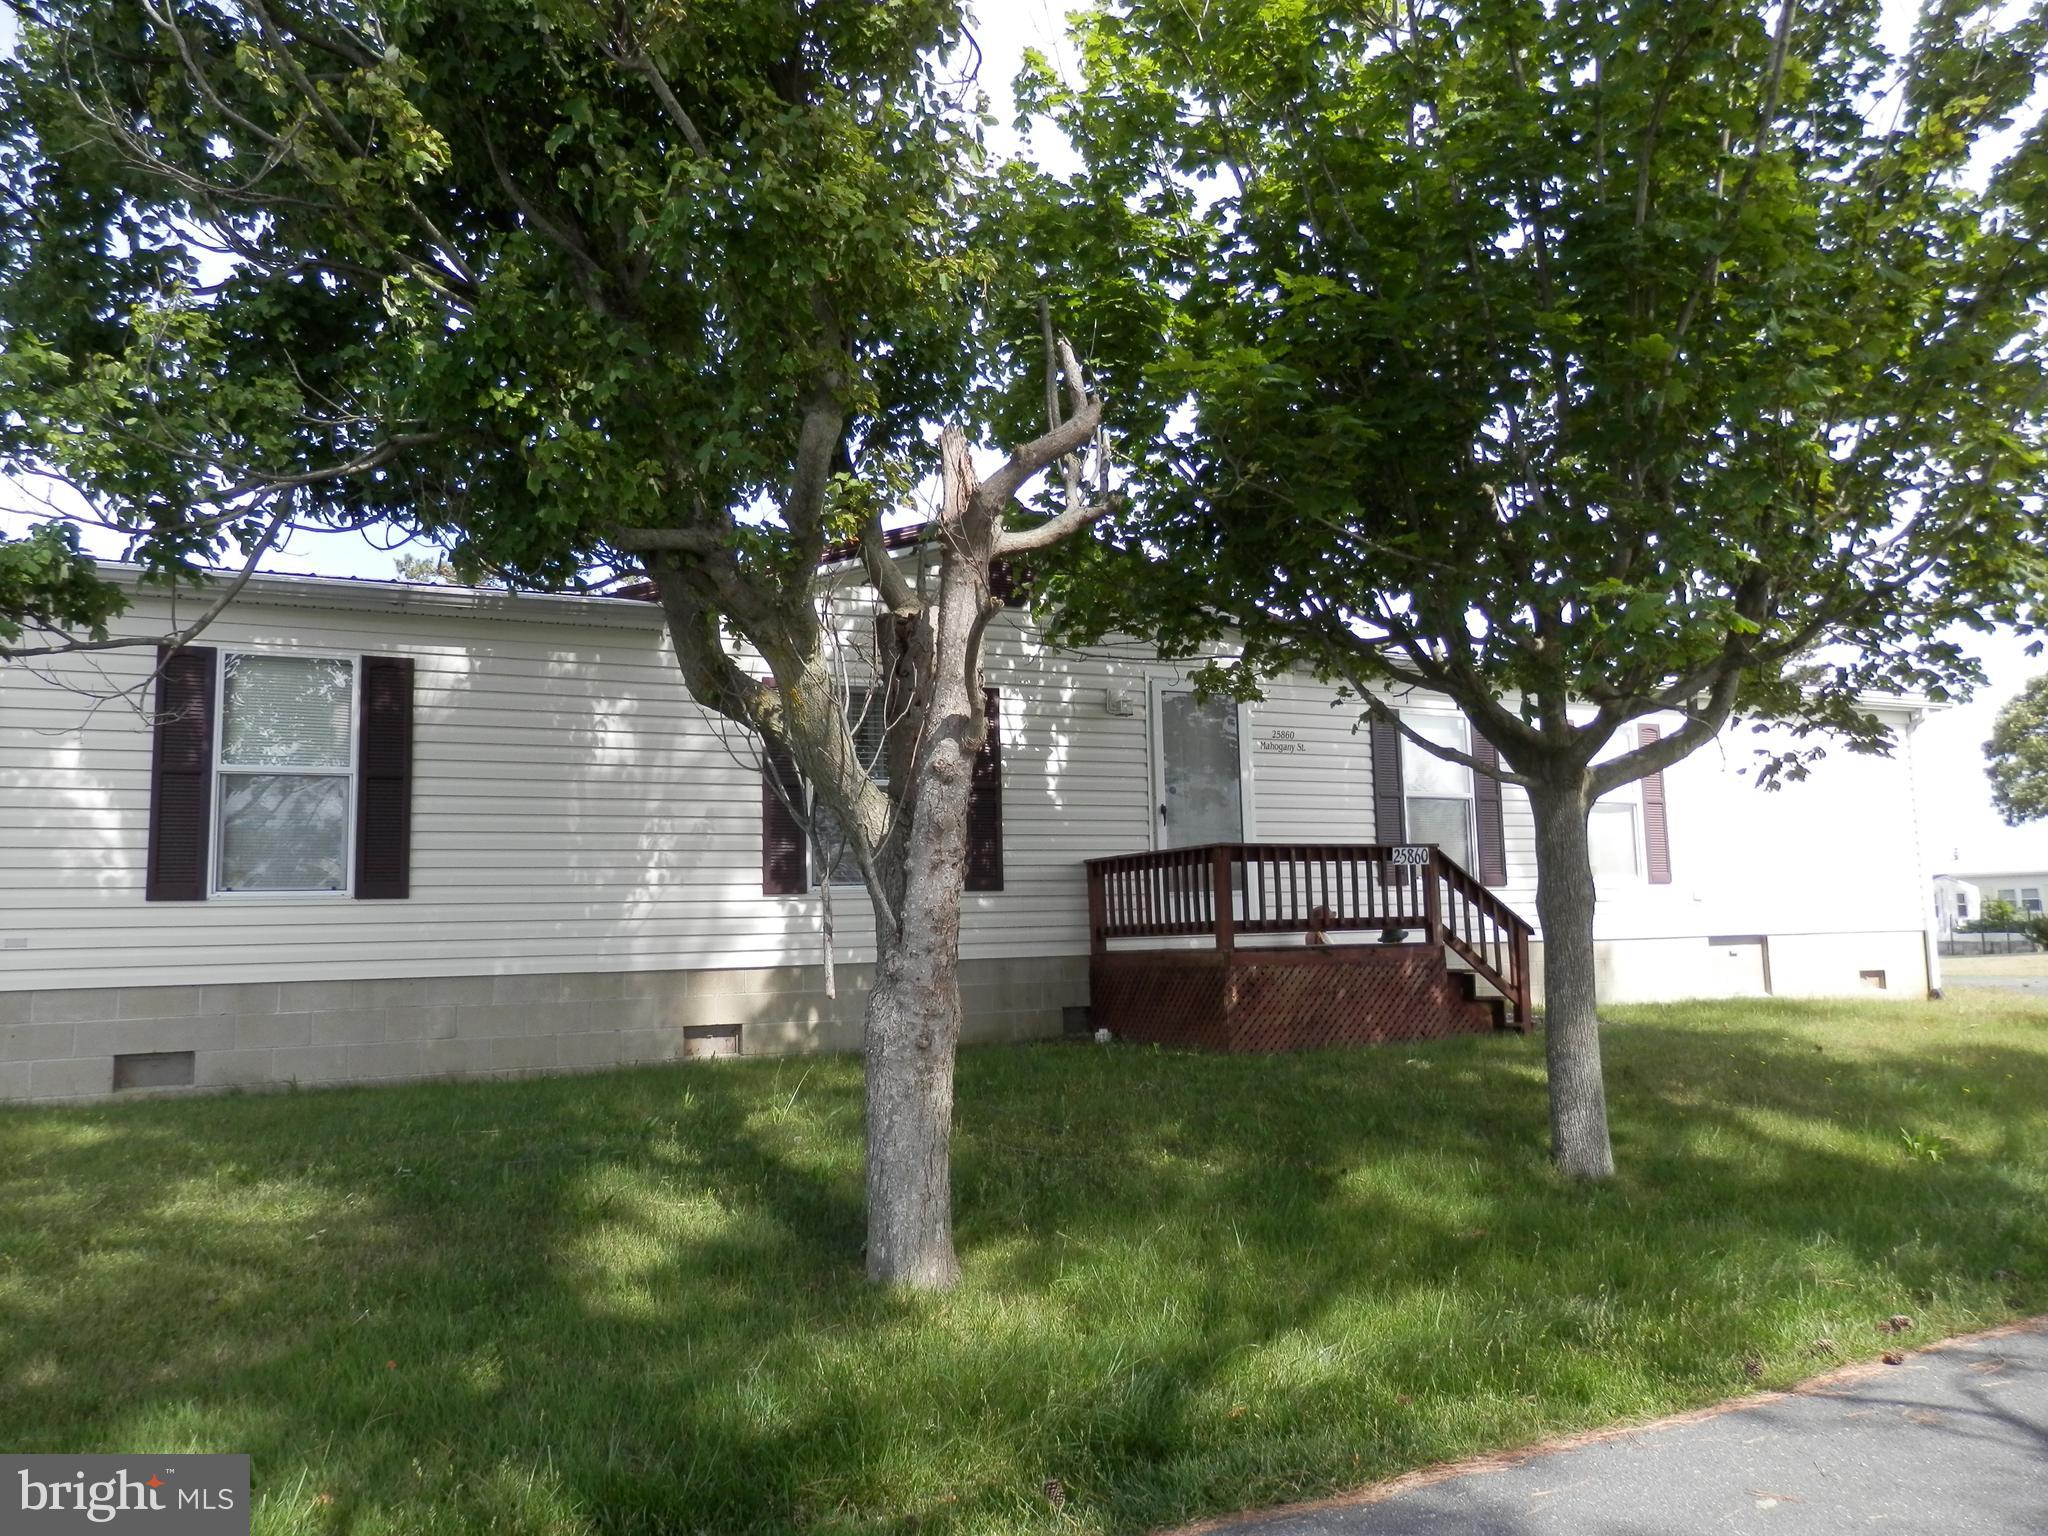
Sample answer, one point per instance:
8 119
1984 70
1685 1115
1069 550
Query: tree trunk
913 1021
913 1033
910 837
1571 1023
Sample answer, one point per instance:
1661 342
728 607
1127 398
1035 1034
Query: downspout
1930 929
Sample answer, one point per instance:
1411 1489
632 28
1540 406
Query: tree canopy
50 590
1580 361
575 290
2016 756
520 274
1610 352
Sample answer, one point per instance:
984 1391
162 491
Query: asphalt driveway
1999 983
1953 1441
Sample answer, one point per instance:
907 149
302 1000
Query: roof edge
372 595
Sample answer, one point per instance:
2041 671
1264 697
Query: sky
1960 829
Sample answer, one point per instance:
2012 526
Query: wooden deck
1228 978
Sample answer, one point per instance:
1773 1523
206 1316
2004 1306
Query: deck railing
1223 890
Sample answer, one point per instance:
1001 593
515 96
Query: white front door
1197 769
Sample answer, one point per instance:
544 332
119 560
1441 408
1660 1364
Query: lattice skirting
1283 1000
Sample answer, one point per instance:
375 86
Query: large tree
1579 361
2016 756
574 289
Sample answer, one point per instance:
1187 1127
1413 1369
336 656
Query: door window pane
1199 770
286 712
1445 822
283 832
1612 832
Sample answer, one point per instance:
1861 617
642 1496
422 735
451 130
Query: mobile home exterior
386 831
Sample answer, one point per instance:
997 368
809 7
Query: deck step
1481 994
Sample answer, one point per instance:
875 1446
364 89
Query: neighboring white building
2025 890
1958 901
428 831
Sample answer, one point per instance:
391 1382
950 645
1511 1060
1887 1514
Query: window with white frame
1614 828
1962 907
285 772
2030 898
1439 792
1613 835
2009 896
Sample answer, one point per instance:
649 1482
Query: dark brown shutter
985 805
1389 812
384 781
1491 841
181 775
1656 824
785 850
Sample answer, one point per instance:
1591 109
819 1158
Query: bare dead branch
371 459
1023 541
1001 488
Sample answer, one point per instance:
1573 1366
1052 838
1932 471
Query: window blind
286 712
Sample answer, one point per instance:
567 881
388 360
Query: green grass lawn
632 1302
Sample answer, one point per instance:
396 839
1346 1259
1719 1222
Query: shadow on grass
632 1303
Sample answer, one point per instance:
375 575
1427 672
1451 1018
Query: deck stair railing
1224 890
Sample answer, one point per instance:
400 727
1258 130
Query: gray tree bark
910 837
1571 1024
914 1014
913 1031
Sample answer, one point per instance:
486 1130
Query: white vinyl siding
574 810
1310 768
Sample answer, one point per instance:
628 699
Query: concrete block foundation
61 1045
